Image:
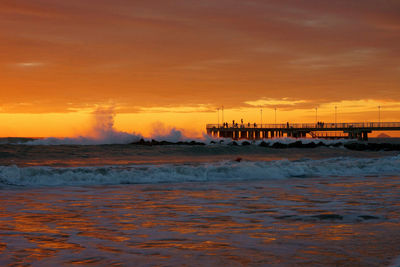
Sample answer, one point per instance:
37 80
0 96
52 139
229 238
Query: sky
176 62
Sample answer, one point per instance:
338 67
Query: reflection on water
335 221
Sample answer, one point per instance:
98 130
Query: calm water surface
326 222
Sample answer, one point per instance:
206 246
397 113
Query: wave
220 171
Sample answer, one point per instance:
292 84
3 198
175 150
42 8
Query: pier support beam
364 136
236 135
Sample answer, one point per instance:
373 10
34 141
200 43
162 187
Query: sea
218 204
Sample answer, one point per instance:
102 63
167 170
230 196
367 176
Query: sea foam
200 172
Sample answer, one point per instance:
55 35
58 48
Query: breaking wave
103 132
220 171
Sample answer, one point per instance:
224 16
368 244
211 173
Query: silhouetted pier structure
254 131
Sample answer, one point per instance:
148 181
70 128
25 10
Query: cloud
29 64
177 109
357 57
270 102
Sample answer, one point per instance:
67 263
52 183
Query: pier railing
322 125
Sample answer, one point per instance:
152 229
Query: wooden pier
253 131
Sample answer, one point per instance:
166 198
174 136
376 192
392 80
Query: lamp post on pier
379 115
335 116
316 115
222 114
218 116
275 117
261 118
336 119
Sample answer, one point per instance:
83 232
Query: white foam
221 171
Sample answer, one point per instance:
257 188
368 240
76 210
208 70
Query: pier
248 131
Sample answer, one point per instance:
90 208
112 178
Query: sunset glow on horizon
158 65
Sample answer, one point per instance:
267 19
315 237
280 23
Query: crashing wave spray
161 132
103 132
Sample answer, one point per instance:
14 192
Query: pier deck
300 130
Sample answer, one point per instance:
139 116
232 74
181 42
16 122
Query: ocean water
212 205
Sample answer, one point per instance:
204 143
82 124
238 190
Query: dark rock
321 144
279 145
238 159
328 217
372 146
356 146
297 144
310 145
164 143
246 143
142 142
154 142
264 144
368 217
194 143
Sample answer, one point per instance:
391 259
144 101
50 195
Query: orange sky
176 62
